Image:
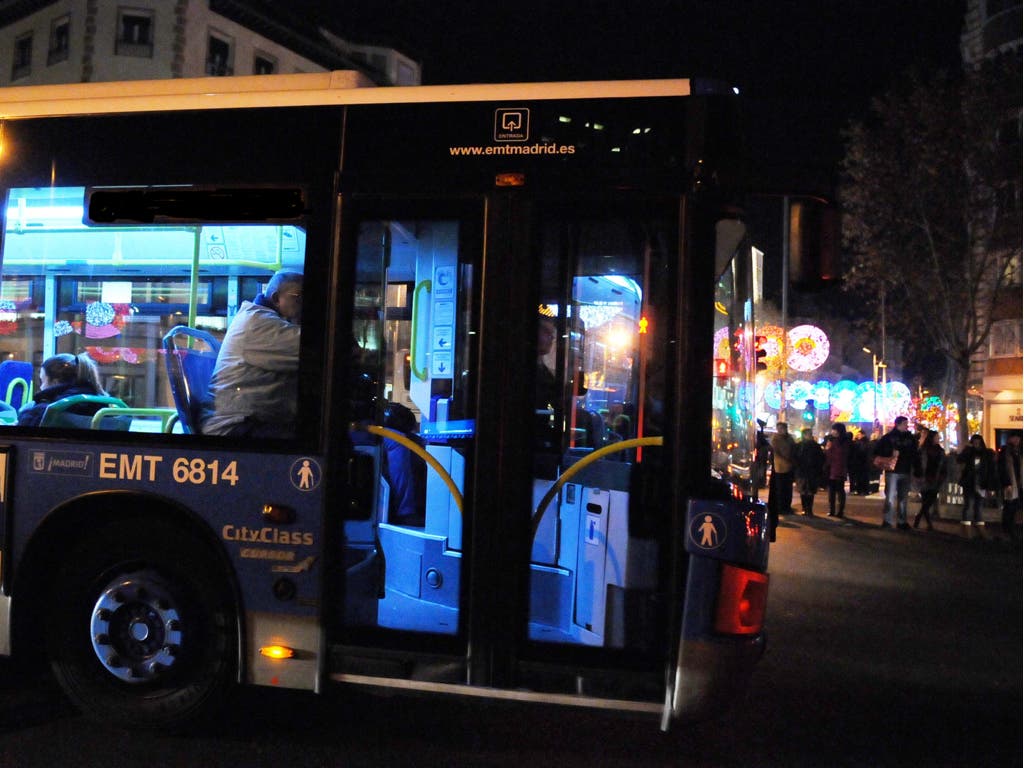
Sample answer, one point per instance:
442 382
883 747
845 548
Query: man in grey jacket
255 378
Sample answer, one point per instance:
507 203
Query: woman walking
931 469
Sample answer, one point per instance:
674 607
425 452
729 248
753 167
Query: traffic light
721 370
760 353
809 412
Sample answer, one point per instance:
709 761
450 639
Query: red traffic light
721 368
760 353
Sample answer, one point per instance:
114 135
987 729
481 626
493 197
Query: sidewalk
867 511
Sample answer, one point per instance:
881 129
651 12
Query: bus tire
140 631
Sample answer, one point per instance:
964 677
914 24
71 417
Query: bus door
412 402
599 522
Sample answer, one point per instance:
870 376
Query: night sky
805 67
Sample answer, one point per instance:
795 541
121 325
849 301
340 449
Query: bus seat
8 415
189 369
76 412
15 382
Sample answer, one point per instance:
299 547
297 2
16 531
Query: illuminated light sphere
62 328
822 393
808 348
798 393
844 398
99 313
897 398
866 402
773 340
773 395
722 343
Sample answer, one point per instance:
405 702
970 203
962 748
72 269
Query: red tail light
741 601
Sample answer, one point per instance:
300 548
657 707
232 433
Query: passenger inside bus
60 377
254 382
405 472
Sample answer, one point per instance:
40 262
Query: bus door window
411 325
595 555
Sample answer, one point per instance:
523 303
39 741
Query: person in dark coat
931 469
809 462
63 376
901 444
837 457
978 478
1010 480
858 462
404 470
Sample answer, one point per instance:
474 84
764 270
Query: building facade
65 41
993 28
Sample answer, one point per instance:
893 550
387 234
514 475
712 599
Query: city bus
515 463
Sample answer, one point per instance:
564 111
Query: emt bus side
514 472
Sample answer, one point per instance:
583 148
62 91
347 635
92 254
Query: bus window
114 292
732 432
412 319
596 553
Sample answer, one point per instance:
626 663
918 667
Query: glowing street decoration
722 343
897 398
808 348
846 400
798 393
822 394
773 340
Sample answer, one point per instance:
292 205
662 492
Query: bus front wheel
140 632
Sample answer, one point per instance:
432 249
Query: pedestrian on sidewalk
979 479
931 469
837 456
810 459
896 454
1010 480
780 490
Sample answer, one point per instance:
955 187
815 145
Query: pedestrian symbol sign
708 530
305 474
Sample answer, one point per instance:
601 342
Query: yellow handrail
586 461
420 451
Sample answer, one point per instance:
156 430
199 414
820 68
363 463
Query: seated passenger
255 379
405 472
63 376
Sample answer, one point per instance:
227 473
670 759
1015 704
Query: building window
220 55
134 33
263 64
1005 339
22 65
60 40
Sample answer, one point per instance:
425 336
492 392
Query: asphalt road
887 648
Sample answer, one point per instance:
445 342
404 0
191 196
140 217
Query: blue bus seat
189 369
15 382
76 412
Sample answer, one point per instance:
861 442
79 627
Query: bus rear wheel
140 632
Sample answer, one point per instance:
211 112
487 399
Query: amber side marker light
510 180
277 652
278 513
741 601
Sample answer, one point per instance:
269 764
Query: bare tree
932 210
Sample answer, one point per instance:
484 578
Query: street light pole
876 364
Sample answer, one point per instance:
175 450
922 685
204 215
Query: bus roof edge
323 88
